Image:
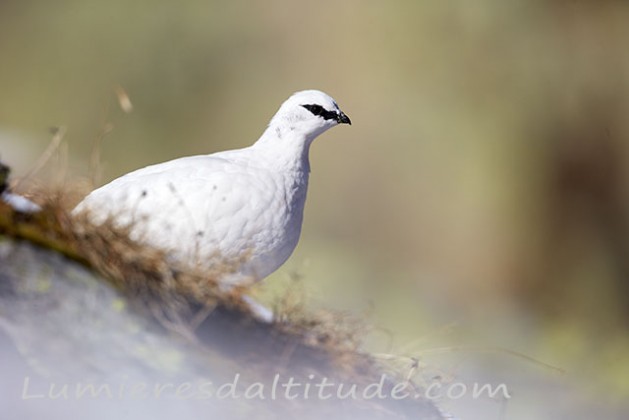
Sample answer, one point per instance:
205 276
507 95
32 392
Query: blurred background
479 201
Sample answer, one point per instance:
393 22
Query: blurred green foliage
483 181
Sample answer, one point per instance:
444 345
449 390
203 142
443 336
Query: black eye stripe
321 112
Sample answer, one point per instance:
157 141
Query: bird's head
308 113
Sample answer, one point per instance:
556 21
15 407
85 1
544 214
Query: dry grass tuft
191 303
137 270
179 299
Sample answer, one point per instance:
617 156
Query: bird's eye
320 111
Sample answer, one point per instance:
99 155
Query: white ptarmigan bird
241 206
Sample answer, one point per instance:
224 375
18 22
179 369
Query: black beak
343 119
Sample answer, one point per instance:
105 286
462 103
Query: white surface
20 203
241 206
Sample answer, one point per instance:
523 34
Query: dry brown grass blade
474 349
58 135
107 127
123 99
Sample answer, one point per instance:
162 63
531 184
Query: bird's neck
285 149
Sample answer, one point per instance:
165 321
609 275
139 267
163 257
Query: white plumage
243 206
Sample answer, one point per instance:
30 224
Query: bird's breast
253 220
277 228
